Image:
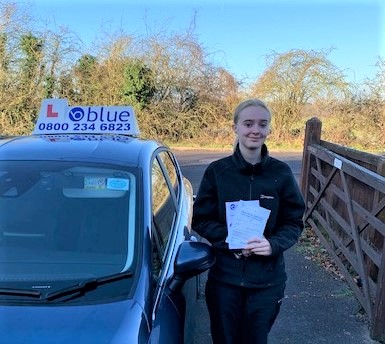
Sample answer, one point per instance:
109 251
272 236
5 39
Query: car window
163 204
171 170
62 221
164 182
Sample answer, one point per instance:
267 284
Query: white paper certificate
245 220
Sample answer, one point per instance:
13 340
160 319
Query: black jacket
272 183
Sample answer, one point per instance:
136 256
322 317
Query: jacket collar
247 168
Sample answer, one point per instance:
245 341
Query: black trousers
242 315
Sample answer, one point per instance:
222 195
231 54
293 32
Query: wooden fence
344 191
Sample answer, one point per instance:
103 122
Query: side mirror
191 259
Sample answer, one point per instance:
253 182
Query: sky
241 33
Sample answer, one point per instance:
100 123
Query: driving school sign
56 116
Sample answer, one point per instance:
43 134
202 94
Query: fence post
312 136
378 316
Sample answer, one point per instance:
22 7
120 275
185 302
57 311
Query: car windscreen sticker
117 184
56 117
94 183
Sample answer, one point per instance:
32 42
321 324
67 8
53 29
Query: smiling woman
252 120
245 286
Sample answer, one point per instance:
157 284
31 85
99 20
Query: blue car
95 240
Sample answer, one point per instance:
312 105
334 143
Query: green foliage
32 49
85 66
49 86
83 83
138 88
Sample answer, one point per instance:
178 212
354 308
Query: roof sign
56 117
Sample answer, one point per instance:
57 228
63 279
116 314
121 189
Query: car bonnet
116 322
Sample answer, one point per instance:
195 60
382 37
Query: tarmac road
317 309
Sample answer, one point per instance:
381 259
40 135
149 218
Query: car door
167 234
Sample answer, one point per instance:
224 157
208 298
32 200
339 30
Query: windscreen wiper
20 292
81 288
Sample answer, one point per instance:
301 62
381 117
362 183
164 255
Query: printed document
245 220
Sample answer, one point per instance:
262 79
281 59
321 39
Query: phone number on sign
85 126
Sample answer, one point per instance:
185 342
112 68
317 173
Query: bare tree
62 48
366 111
294 79
192 93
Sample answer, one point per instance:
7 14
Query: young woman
245 286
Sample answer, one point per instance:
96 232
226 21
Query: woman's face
252 127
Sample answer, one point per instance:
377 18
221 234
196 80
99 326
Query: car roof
117 149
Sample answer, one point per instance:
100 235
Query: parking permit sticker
117 184
56 117
94 183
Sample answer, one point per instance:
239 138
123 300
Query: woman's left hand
258 246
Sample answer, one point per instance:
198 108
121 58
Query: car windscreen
63 221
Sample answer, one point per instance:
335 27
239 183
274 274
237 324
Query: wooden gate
344 191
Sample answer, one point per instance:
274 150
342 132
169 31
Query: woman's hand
258 246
